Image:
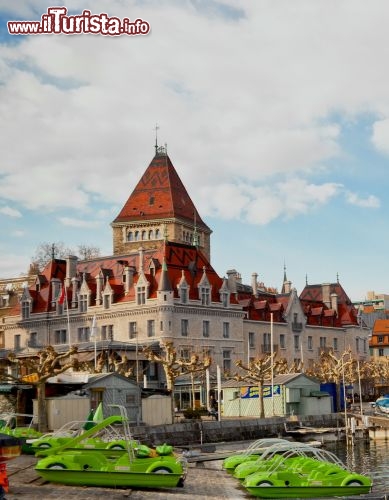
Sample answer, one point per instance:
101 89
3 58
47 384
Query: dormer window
141 295
183 289
225 298
83 302
107 301
205 295
204 289
26 309
184 294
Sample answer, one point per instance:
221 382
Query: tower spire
156 137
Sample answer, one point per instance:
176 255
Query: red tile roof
181 259
381 326
312 297
160 194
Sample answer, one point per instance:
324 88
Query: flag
89 421
62 296
98 416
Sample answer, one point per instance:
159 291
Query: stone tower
158 209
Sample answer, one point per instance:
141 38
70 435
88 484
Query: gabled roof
171 263
160 194
311 299
283 379
381 326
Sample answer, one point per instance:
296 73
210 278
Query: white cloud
11 212
14 265
380 135
68 221
251 94
261 205
18 233
370 201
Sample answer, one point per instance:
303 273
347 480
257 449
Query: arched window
157 234
144 235
151 234
130 236
136 235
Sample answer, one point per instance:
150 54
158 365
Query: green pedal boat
93 468
304 472
253 452
136 466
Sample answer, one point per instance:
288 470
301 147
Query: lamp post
136 358
272 364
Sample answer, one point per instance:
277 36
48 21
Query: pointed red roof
160 194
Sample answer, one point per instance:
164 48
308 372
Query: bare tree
259 371
174 366
47 251
87 252
37 370
334 369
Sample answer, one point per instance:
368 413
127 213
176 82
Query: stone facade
161 286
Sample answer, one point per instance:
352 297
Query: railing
32 343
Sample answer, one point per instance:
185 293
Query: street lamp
136 358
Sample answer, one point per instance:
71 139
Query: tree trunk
260 400
338 396
193 391
42 412
170 387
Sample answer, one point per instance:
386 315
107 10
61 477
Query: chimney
129 272
254 283
287 286
75 285
334 301
231 276
99 287
325 290
71 269
55 290
140 250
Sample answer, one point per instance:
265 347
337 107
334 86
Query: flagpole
63 300
67 314
272 367
94 336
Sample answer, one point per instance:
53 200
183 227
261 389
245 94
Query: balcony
32 344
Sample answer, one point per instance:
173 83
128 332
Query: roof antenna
156 137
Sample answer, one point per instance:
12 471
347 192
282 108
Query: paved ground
204 480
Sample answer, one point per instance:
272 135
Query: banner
252 392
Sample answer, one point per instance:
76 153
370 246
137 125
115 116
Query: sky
275 114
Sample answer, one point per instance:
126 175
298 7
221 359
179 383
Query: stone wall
193 432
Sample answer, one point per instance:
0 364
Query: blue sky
275 115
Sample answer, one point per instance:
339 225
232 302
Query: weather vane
156 137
